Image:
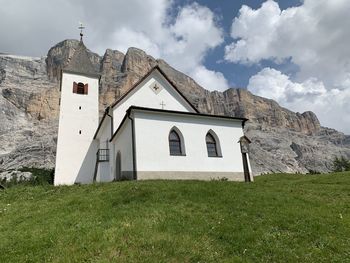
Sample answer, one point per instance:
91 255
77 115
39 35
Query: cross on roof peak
81 27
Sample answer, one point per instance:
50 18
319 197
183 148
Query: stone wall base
178 175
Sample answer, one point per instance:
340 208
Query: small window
79 107
174 143
212 145
79 131
80 88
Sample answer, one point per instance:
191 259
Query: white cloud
124 38
208 78
331 106
275 85
194 33
255 31
180 35
314 36
197 32
182 43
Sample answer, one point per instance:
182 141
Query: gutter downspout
243 123
133 144
110 148
107 113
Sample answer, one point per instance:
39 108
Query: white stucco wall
76 153
105 134
144 96
123 143
152 146
103 137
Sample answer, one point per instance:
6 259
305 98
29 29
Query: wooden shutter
75 87
86 88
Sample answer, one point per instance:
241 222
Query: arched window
175 143
80 88
213 145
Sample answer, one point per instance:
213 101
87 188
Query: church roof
144 77
80 62
196 111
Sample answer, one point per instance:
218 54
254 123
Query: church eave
137 108
86 74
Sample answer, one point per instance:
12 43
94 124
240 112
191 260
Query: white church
151 132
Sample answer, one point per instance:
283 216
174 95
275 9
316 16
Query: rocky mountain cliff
282 141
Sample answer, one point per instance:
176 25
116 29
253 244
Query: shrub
39 177
314 172
341 164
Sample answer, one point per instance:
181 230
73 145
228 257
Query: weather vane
81 27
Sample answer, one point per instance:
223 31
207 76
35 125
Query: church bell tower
78 120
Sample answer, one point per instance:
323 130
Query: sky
292 51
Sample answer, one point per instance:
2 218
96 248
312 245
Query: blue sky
237 74
292 51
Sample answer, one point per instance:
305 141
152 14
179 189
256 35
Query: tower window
79 131
79 107
80 88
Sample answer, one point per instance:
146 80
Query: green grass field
278 218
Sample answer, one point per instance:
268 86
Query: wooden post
244 143
246 168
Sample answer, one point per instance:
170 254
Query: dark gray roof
80 62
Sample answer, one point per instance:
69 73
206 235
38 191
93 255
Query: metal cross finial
81 27
162 104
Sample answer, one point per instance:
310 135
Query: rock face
282 141
28 113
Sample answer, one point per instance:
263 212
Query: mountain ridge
283 141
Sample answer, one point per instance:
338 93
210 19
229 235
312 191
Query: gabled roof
147 75
80 62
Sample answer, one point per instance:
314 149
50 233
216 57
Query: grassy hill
279 218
